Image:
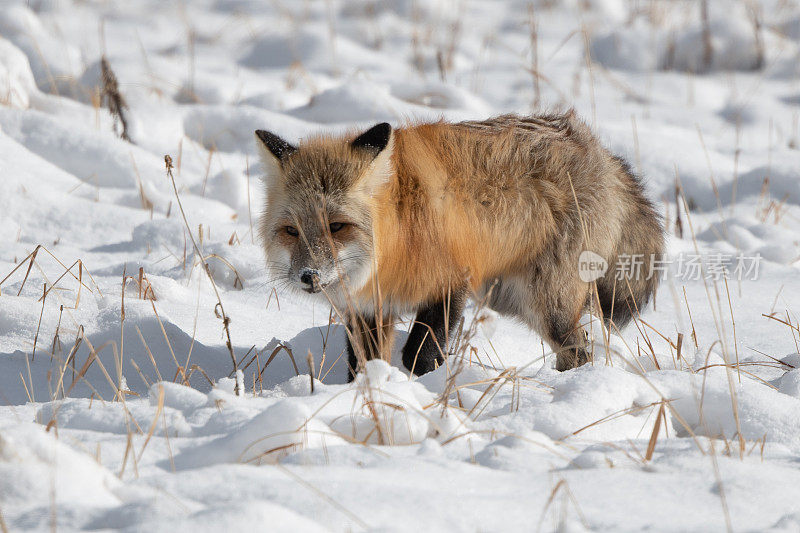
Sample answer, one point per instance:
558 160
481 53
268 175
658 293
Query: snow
679 41
119 407
16 79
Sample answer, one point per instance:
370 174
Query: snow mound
751 236
733 47
731 43
34 462
631 49
310 50
357 100
232 129
51 58
380 407
86 154
237 515
441 96
16 78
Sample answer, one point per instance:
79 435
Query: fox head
317 225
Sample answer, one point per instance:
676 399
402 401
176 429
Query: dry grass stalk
691 320
252 348
147 204
733 322
219 309
128 450
56 336
211 152
159 408
249 209
166 440
441 66
678 194
633 410
197 368
275 352
324 496
753 9
462 343
708 47
180 369
310 361
149 353
590 69
717 314
31 260
38 327
561 486
417 58
238 283
651 445
135 366
371 14
114 99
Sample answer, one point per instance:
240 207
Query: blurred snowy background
117 405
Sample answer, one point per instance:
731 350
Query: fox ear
378 143
274 145
374 140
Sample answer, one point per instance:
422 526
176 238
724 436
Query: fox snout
309 277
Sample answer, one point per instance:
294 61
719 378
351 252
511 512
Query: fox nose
309 276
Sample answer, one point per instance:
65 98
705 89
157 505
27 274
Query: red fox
420 218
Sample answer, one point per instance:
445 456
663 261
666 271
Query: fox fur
422 217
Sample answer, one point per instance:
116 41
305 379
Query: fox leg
367 339
429 335
568 340
560 313
548 305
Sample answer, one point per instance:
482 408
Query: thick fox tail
633 271
622 299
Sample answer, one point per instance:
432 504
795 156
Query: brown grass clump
113 98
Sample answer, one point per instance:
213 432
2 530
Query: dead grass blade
324 496
159 408
219 309
651 445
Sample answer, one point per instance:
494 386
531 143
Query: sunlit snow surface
506 444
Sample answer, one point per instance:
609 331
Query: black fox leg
367 339
559 308
568 340
430 333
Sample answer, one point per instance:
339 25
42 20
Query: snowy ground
96 429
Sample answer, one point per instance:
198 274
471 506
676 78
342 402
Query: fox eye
336 226
291 230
